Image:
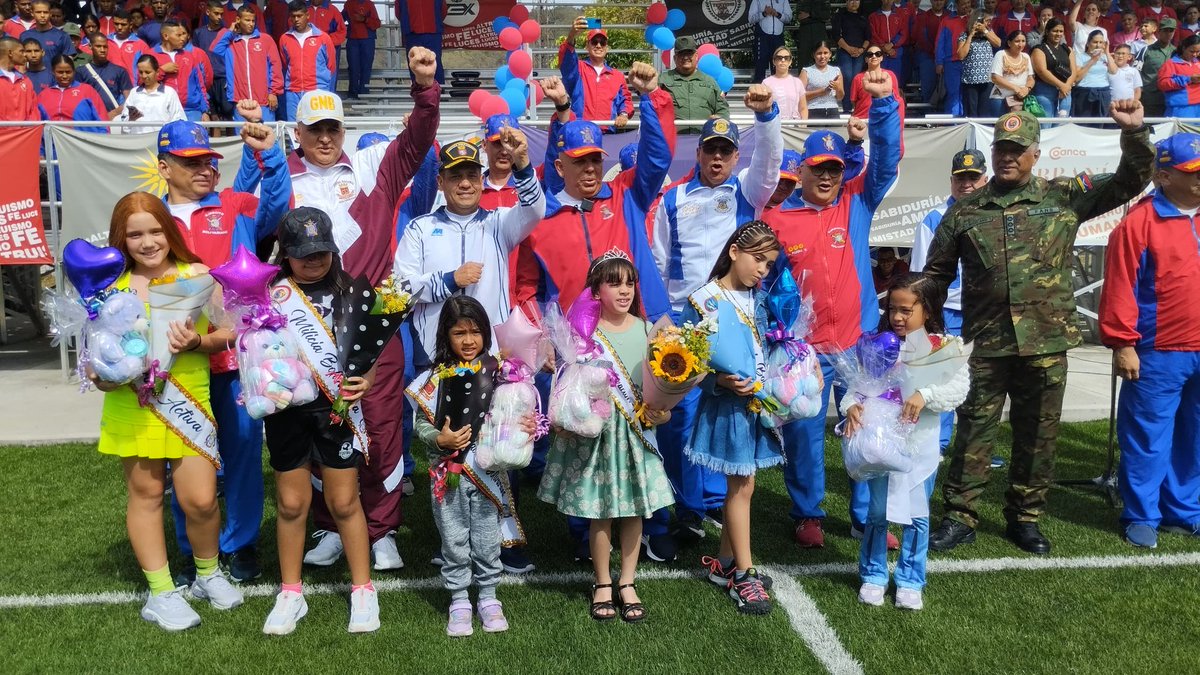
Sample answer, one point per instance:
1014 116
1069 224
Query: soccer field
70 591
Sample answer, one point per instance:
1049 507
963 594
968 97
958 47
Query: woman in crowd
860 97
1179 79
150 102
1036 35
1090 97
1081 31
850 34
1012 73
1054 68
66 100
788 89
823 85
975 48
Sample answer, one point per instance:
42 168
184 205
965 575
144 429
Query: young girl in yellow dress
143 230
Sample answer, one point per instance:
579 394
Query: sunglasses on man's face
874 55
599 43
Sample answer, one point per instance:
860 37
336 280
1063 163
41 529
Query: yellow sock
205 566
160 580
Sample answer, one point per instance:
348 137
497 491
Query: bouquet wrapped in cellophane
872 372
580 399
793 372
504 440
676 361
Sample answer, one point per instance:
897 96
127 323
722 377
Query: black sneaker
716 517
688 529
515 561
660 547
583 551
185 576
950 534
749 594
243 565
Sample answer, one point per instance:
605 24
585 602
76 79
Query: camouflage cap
1019 127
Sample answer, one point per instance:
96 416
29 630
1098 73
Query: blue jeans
240 439
926 75
804 472
914 545
361 55
764 47
976 102
1158 426
850 66
1048 96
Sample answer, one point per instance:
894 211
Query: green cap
1019 127
685 43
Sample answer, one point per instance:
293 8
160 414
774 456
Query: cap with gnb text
319 105
1180 152
1019 127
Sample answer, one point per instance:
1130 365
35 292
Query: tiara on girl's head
614 253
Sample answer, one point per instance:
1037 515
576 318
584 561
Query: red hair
144 202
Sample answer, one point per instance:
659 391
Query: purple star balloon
245 279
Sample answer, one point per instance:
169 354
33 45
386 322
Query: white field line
810 624
652 574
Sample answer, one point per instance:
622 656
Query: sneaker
364 611
1141 536
749 595
289 608
856 533
170 611
688 529
716 517
721 576
384 553
809 533
909 598
243 565
406 487
515 561
491 615
459 623
185 576
660 547
437 560
583 552
871 594
1190 530
997 462
217 590
327 551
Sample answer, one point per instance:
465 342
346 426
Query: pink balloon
475 102
656 13
531 30
494 105
706 48
520 64
510 38
519 14
538 94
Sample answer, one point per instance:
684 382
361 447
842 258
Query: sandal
631 612
602 611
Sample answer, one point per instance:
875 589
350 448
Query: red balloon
520 64
510 38
706 48
531 30
519 14
656 13
494 105
475 102
666 58
538 94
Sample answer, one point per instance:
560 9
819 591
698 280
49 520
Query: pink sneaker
491 615
460 624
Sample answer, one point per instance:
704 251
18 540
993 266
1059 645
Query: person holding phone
598 91
975 49
150 102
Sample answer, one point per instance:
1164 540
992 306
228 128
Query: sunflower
673 362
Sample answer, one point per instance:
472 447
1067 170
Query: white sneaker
406 487
170 611
217 590
871 594
327 551
289 608
385 554
364 611
909 598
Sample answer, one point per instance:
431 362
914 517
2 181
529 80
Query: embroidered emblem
829 142
1012 124
837 237
310 228
721 126
214 221
723 205
968 160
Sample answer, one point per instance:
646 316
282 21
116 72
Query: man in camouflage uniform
1014 238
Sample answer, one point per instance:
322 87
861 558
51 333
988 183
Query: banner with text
22 238
468 23
721 22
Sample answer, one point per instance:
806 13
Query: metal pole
64 357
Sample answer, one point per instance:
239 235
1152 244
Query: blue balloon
649 34
516 84
516 101
675 19
502 77
725 79
710 64
662 38
500 23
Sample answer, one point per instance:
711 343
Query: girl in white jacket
913 303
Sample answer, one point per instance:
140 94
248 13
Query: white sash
318 350
626 395
493 485
705 301
183 415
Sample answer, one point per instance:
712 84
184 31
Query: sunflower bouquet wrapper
580 397
676 361
793 372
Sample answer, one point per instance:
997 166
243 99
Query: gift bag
793 372
1033 107
880 446
580 400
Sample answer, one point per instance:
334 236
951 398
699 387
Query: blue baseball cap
579 138
496 123
719 127
628 156
1180 152
824 146
185 139
373 138
789 168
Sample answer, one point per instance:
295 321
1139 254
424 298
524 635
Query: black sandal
631 612
600 611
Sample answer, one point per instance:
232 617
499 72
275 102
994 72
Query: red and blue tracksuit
77 103
946 56
829 249
125 53
328 19
252 69
1181 96
15 26
223 222
278 18
188 80
892 27
308 65
1009 23
203 40
594 96
925 29
362 20
421 26
1148 302
231 12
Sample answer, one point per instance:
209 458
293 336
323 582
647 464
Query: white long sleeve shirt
157 107
771 25
434 246
692 221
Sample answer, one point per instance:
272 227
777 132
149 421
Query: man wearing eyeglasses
1153 58
768 18
696 95
825 235
598 91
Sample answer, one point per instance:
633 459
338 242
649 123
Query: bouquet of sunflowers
676 361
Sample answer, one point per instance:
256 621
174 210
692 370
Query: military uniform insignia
721 126
723 205
1012 123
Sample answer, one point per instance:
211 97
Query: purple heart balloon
878 352
244 279
91 269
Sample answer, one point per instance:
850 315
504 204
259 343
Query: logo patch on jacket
437 232
837 237
213 224
793 249
723 204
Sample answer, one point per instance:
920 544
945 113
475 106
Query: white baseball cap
319 105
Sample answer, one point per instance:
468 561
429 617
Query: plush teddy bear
273 375
579 401
503 444
117 339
